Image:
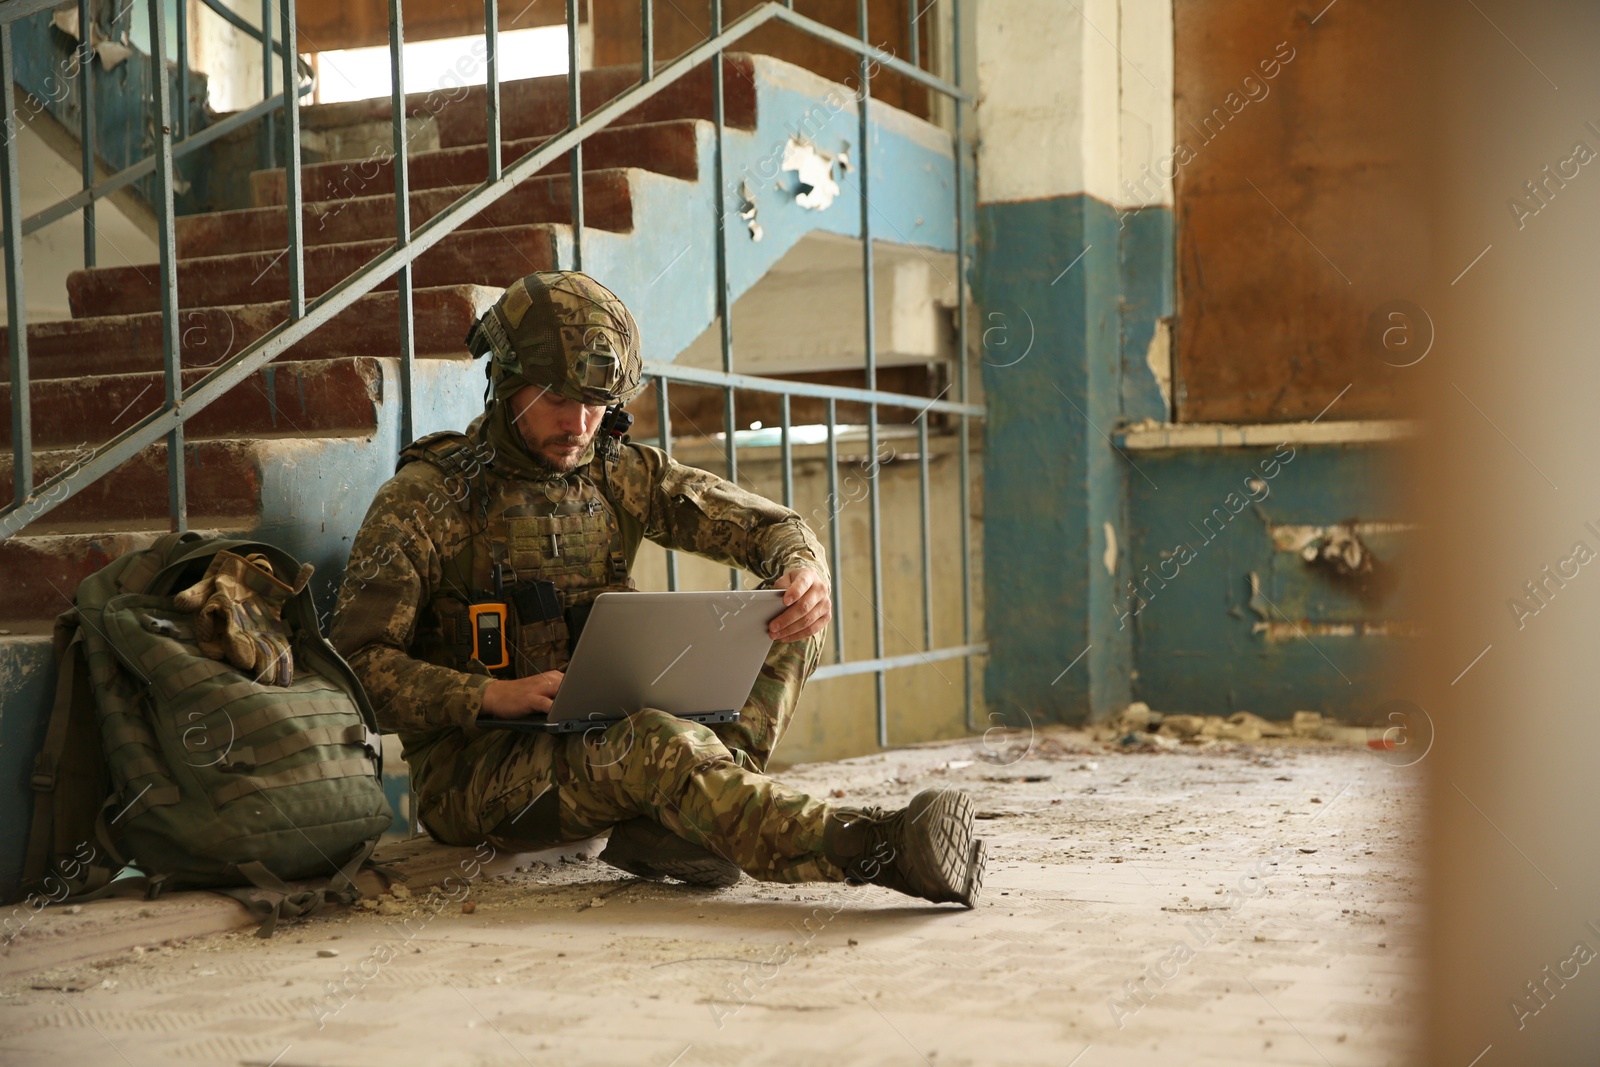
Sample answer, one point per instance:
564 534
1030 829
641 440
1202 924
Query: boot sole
709 872
704 874
946 823
654 853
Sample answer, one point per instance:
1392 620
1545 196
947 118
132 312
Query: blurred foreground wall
1508 677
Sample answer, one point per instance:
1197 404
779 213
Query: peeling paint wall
1229 614
1299 217
1074 275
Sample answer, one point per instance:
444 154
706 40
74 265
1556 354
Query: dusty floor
1241 904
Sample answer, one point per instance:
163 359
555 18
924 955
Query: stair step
670 148
124 344
306 397
475 257
607 205
44 571
223 478
538 107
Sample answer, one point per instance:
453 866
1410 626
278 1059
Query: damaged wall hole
1339 553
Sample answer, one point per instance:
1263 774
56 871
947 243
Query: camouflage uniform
429 547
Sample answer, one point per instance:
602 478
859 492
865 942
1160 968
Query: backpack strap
69 783
271 898
453 453
138 576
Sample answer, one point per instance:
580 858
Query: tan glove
239 615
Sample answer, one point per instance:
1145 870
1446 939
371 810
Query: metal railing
33 499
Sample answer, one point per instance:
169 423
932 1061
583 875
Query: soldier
541 505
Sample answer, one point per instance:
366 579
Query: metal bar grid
647 40
927 531
402 218
185 144
16 305
786 449
239 366
752 383
880 664
291 163
145 167
837 567
183 66
869 298
86 139
269 156
914 45
177 489
491 67
664 421
181 404
724 298
965 476
574 120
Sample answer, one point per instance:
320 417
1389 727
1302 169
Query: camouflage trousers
522 792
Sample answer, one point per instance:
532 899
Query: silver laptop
696 655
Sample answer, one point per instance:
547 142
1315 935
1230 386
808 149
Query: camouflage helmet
562 330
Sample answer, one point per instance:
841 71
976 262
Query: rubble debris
1138 727
1307 723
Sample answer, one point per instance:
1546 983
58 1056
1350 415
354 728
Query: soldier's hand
520 697
807 605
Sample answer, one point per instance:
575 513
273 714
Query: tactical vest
563 530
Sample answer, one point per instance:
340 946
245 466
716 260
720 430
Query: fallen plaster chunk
815 171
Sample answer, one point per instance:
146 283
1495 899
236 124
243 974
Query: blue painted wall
1198 645
1070 290
1065 343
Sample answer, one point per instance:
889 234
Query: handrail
676 372
145 167
170 420
238 367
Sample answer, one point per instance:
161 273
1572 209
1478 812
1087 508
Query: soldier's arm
693 510
394 568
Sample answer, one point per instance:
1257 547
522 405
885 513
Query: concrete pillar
1074 275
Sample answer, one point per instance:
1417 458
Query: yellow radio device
489 635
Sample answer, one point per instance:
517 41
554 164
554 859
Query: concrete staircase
296 452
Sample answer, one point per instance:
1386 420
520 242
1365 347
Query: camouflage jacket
427 541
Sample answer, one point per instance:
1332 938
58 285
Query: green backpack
187 770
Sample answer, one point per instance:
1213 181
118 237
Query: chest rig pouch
540 551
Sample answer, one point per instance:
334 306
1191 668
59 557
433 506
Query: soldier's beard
558 459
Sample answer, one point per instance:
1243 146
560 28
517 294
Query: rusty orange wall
683 24
364 23
1297 216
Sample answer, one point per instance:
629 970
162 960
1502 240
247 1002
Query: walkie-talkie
488 619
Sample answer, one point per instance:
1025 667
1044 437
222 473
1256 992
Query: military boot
645 848
925 849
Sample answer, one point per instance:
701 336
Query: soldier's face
555 428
